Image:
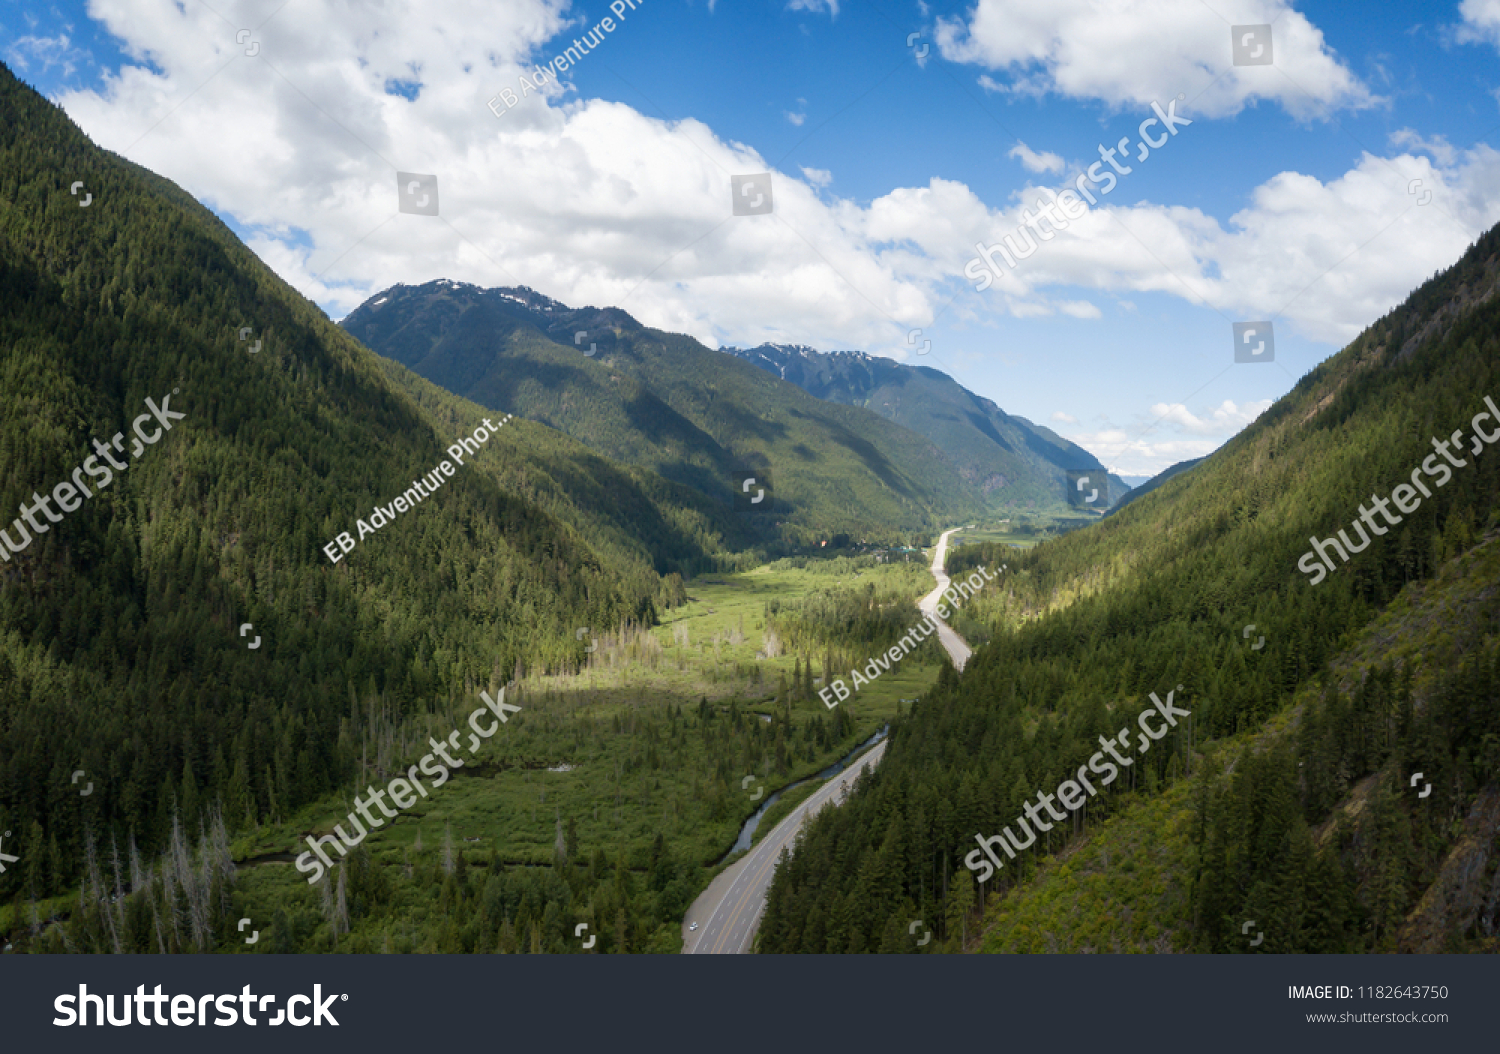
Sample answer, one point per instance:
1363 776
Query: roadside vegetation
610 799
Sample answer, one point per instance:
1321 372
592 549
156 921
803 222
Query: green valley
1291 798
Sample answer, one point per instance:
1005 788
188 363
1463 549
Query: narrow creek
747 832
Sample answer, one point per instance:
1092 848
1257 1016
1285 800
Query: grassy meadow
649 736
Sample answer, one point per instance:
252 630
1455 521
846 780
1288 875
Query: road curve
739 892
958 650
731 926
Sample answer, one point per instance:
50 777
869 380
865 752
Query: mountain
1018 466
1146 487
665 402
252 434
1294 707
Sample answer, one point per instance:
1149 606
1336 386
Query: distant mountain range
1147 486
839 454
1018 466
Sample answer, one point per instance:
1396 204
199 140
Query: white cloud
1327 258
1037 162
594 202
589 201
1062 418
1136 51
1166 434
1441 150
795 118
47 52
1481 21
1078 309
815 6
1224 421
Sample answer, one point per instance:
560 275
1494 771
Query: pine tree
960 904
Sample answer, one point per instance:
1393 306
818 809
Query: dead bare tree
341 906
94 896
138 876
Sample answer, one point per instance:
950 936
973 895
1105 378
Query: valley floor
729 911
629 768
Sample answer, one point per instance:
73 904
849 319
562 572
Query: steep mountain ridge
666 402
1019 466
125 628
1147 486
1198 588
1432 626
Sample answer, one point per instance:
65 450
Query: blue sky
1289 198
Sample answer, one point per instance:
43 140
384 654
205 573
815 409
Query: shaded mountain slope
1197 590
664 401
125 627
1119 882
1018 466
1155 481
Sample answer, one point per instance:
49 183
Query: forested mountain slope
1155 481
1390 866
666 402
123 647
1018 466
1205 585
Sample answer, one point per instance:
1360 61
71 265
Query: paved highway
734 901
957 650
732 923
